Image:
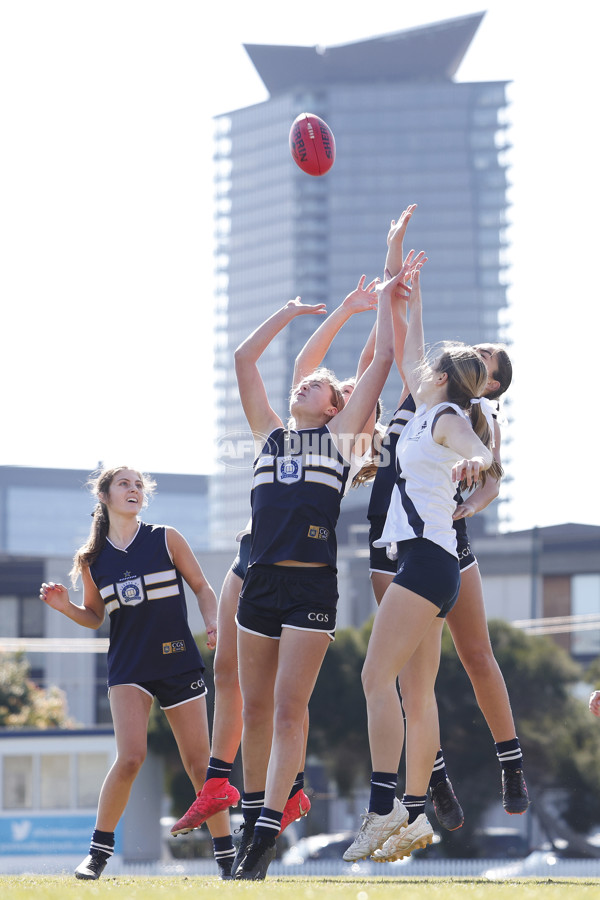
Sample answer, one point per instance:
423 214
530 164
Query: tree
25 705
161 741
558 736
560 744
338 714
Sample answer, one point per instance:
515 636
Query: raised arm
414 344
261 417
395 240
351 420
312 354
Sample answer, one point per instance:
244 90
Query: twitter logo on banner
21 830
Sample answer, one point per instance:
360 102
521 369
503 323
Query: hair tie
488 409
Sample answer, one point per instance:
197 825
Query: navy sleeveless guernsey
298 484
144 597
385 476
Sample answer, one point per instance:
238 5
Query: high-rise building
405 132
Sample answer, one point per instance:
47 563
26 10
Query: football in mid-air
312 144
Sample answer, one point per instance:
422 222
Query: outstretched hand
398 229
362 298
302 309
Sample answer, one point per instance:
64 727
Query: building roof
428 52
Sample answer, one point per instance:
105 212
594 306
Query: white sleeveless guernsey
422 501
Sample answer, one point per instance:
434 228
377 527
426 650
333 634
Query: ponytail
467 378
485 432
89 552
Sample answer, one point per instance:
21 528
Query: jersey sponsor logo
318 617
130 592
416 437
319 532
173 647
289 469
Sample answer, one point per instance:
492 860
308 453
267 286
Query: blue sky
106 224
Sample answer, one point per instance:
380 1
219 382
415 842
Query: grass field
54 887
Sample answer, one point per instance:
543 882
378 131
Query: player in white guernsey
134 573
227 722
286 613
467 620
441 446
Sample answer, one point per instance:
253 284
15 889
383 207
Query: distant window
91 771
17 782
9 616
585 600
32 618
55 781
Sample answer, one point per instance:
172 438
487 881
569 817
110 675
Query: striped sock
298 784
383 792
509 754
217 768
103 843
439 773
224 851
415 806
252 803
268 823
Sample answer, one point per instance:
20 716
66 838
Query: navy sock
268 823
252 803
103 843
509 754
298 784
383 792
415 806
218 768
439 773
223 849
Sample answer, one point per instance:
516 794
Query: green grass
53 887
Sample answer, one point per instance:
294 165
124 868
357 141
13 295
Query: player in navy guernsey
227 720
134 573
287 607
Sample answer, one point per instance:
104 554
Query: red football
312 144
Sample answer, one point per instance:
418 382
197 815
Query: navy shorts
466 557
277 597
175 690
379 561
239 566
429 571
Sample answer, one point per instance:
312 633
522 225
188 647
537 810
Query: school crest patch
130 592
289 469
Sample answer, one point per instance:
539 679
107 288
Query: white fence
538 864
